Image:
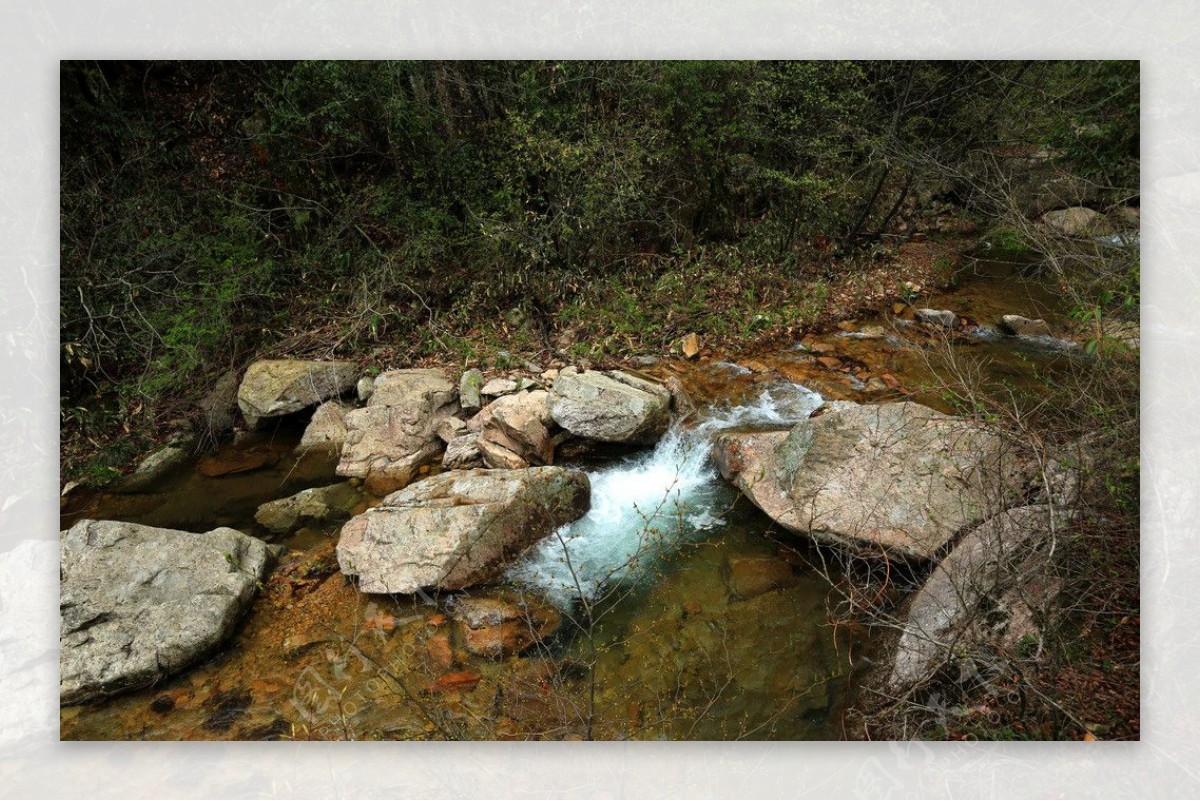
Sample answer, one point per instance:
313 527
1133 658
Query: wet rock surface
319 504
503 624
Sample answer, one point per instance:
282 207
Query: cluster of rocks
466 471
1033 331
899 481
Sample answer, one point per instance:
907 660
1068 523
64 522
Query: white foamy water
644 505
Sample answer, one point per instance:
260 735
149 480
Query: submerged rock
968 598
395 434
897 476
751 576
610 406
320 504
140 603
503 625
276 387
458 529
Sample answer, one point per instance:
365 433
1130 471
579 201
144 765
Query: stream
687 613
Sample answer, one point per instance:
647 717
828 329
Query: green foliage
1006 241
215 210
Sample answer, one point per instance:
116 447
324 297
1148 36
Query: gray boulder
395 434
610 406
319 504
140 603
458 529
990 589
276 387
898 476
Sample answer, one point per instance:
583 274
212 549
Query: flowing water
686 612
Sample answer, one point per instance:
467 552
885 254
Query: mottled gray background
36 34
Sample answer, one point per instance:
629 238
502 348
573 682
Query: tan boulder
896 476
610 406
458 529
395 434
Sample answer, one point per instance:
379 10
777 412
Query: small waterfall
644 505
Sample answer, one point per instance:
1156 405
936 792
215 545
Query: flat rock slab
458 529
276 387
140 603
897 476
610 406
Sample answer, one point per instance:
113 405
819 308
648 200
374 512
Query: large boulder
990 588
458 529
395 434
140 603
898 476
276 387
514 431
319 504
610 406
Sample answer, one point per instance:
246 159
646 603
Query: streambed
671 585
